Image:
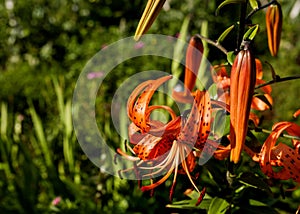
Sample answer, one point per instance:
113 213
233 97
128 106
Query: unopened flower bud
242 82
274 27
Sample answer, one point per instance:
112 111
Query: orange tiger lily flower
242 82
274 27
192 60
150 13
165 148
282 156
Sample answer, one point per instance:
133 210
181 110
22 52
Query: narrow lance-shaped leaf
253 4
251 33
226 2
224 34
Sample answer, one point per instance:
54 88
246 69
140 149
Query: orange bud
274 27
192 60
242 82
150 13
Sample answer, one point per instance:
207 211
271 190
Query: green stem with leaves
260 8
214 43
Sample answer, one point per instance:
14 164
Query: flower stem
243 10
214 43
278 79
258 129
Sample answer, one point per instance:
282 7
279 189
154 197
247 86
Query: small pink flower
104 46
139 45
94 75
56 201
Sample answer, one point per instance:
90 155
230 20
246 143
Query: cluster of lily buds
274 27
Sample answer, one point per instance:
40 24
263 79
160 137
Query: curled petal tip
297 113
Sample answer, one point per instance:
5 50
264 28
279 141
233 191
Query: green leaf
230 57
253 4
213 90
179 47
251 33
192 194
228 2
220 123
190 204
178 55
251 180
224 34
218 205
253 202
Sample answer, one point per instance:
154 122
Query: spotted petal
137 107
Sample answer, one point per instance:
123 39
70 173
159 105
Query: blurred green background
44 47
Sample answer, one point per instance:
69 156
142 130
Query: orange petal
151 147
259 71
190 162
297 113
193 61
156 184
189 132
205 122
137 107
259 104
197 125
290 162
254 118
222 152
266 89
293 130
134 134
281 155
